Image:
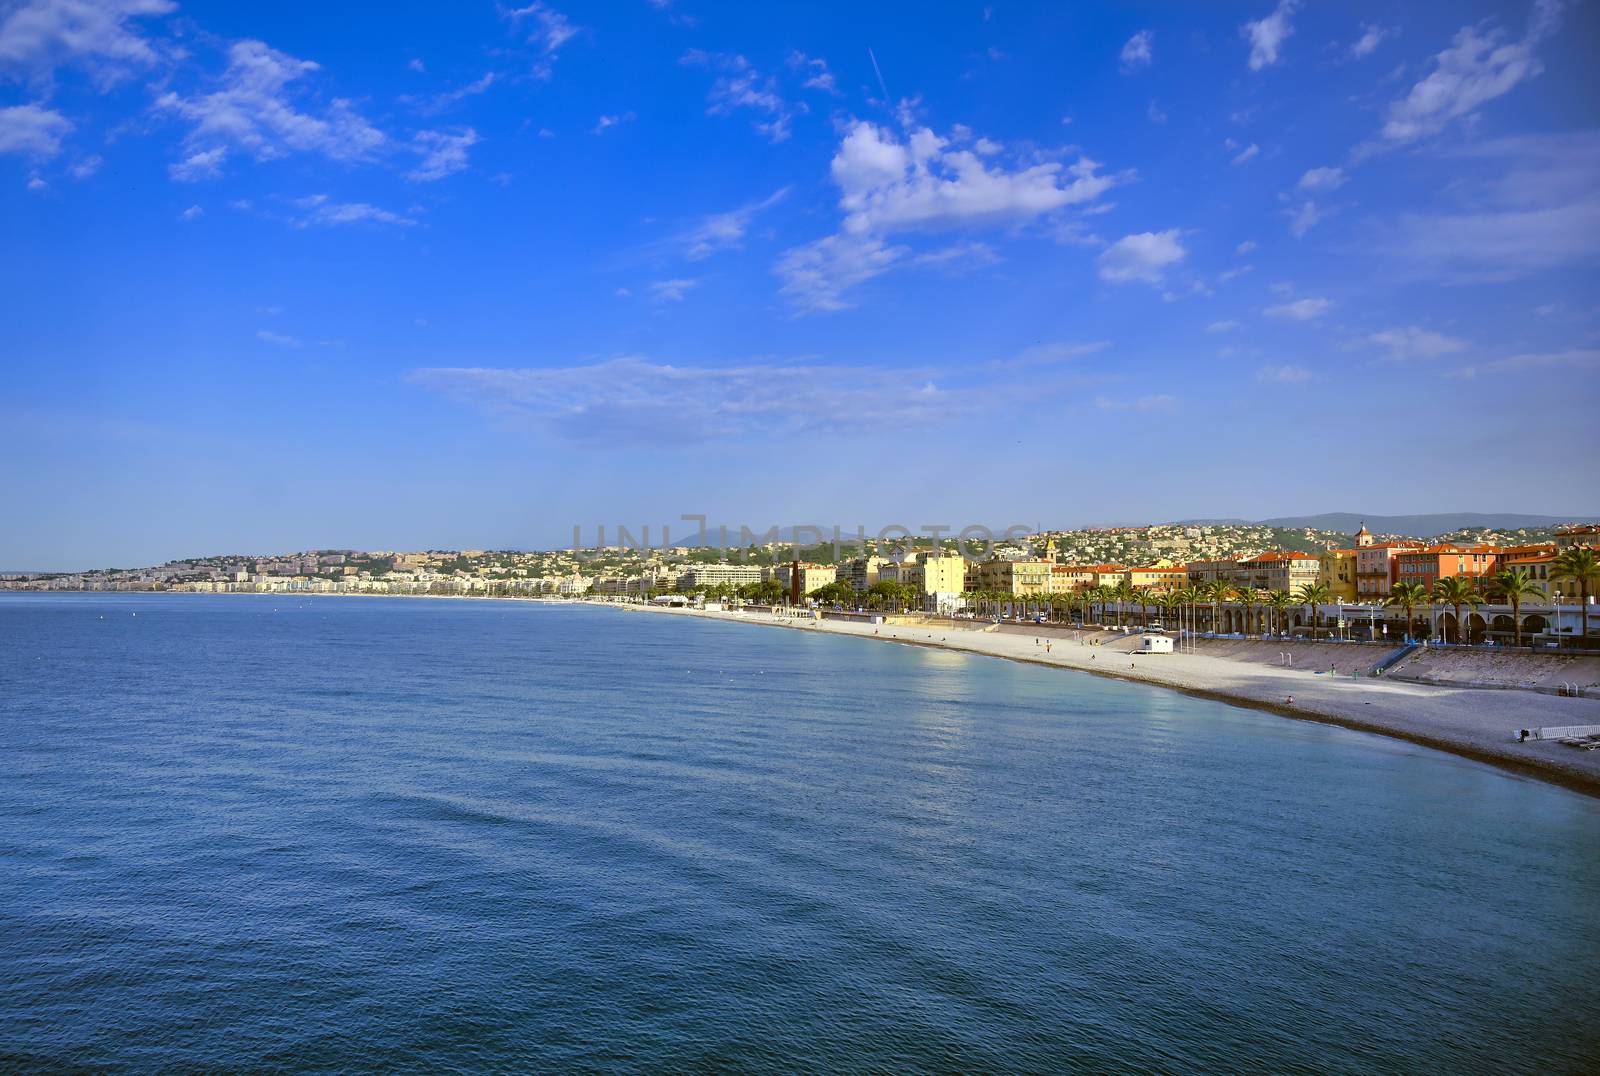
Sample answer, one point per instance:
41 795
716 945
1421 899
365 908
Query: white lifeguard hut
1155 642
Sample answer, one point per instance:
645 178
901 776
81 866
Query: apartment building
704 576
1376 572
812 576
1336 570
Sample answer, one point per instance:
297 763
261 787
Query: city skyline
465 279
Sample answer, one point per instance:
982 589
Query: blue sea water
273 833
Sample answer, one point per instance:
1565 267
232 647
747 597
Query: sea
273 833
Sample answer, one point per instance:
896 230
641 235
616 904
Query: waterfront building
1427 566
1375 568
1010 576
1280 570
1539 562
705 576
861 572
1336 570
1573 537
812 576
1157 577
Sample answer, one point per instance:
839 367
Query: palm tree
1407 596
1579 565
1249 596
1513 585
1281 602
1457 590
1314 595
1216 592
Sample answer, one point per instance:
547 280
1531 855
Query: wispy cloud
740 86
99 36
1479 66
1544 362
725 231
32 131
1413 342
256 111
1322 179
1299 309
630 399
1283 375
548 30
267 336
1142 404
1371 37
443 153
1049 355
671 291
1144 257
605 123
1267 35
814 72
318 209
1136 52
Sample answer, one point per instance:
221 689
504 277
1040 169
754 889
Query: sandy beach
1474 723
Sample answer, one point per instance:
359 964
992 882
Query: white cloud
671 291
418 66
1136 53
1525 205
32 131
441 102
1245 247
1412 342
1144 256
1049 354
194 212
1479 66
741 86
605 123
1267 35
1245 154
1222 326
36 36
1575 359
319 210
267 336
924 183
202 164
1153 111
1283 375
817 274
921 183
817 75
1144 404
1299 309
86 167
1305 218
548 29
630 400
443 153
1371 37
1322 179
254 111
725 231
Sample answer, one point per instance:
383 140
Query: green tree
1456 591
1515 584
1248 596
1217 591
1280 601
1314 595
1407 596
1579 565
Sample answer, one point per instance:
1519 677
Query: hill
1422 526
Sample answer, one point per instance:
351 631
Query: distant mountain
1424 526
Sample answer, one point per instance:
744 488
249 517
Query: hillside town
1223 578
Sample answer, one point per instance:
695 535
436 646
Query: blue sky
465 275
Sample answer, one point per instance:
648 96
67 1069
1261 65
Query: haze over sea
260 832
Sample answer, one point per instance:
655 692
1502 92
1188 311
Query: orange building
1375 567
1427 566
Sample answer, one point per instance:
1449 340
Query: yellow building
1336 570
1011 576
812 576
1159 576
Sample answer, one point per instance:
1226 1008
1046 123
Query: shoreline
1454 720
1472 723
